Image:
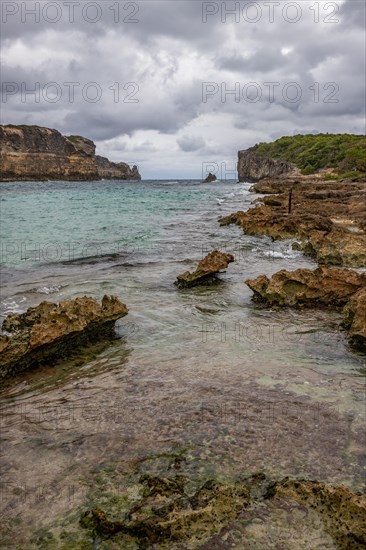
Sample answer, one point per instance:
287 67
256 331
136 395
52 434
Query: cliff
252 167
341 155
37 153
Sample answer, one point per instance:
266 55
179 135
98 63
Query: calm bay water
240 388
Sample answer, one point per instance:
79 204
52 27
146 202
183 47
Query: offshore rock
206 270
50 331
41 154
210 178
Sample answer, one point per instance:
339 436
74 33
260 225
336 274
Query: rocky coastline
35 153
326 215
161 503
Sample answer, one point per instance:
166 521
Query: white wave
48 289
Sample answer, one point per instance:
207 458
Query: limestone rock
207 269
305 287
51 330
331 287
37 153
253 167
355 320
343 512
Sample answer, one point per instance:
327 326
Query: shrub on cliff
343 152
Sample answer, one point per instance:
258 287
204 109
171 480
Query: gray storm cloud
193 79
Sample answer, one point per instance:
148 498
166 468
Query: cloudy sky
173 86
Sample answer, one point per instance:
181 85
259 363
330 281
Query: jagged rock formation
50 331
37 153
210 178
252 167
331 287
207 269
329 218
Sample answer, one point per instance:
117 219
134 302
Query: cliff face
252 167
36 153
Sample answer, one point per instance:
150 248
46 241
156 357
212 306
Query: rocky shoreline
34 153
328 220
167 507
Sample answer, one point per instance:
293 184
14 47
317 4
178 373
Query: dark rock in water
37 153
210 178
52 331
207 269
355 320
325 286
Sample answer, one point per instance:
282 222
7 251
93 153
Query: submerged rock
50 331
325 286
169 515
343 512
207 269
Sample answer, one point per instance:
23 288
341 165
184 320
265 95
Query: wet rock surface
52 330
206 270
329 218
324 286
173 510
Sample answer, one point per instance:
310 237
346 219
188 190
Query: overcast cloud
169 85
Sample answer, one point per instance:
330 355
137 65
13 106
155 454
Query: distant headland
35 153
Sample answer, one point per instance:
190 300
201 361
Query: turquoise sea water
242 388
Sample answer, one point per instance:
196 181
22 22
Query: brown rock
207 269
52 330
37 153
305 287
355 320
343 512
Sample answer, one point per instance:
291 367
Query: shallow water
237 387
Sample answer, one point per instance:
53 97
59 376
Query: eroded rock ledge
331 287
328 218
50 331
206 271
37 153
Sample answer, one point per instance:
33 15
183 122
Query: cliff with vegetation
37 153
340 155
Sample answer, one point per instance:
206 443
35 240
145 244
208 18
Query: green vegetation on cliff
346 153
